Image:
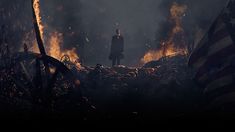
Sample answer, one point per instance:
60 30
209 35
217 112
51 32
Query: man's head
118 32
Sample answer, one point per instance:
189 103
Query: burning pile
55 50
175 43
53 42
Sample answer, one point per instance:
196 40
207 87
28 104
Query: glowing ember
73 56
168 47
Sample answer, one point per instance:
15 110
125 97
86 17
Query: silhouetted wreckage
160 88
32 83
37 83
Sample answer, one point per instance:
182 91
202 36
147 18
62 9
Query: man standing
117 48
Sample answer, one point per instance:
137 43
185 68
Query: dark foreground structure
38 90
162 93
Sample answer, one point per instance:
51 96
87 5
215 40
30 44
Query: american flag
214 58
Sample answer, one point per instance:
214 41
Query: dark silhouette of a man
117 48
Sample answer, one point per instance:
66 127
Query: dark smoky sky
142 22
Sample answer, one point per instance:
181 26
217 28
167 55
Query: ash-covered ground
163 88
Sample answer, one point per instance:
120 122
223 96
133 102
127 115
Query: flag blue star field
214 58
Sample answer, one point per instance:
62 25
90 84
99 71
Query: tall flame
36 6
168 47
55 40
54 45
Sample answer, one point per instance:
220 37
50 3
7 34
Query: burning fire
55 49
36 6
169 52
55 40
54 45
169 47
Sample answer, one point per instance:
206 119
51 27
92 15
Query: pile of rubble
163 86
158 86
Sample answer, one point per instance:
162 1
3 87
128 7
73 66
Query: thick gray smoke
143 22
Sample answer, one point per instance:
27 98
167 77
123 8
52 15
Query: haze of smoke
143 23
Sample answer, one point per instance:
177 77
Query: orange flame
55 40
36 6
156 55
55 49
168 47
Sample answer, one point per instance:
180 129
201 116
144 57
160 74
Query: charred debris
33 83
160 87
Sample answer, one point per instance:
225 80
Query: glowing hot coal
169 47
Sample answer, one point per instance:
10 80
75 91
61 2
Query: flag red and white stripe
214 56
